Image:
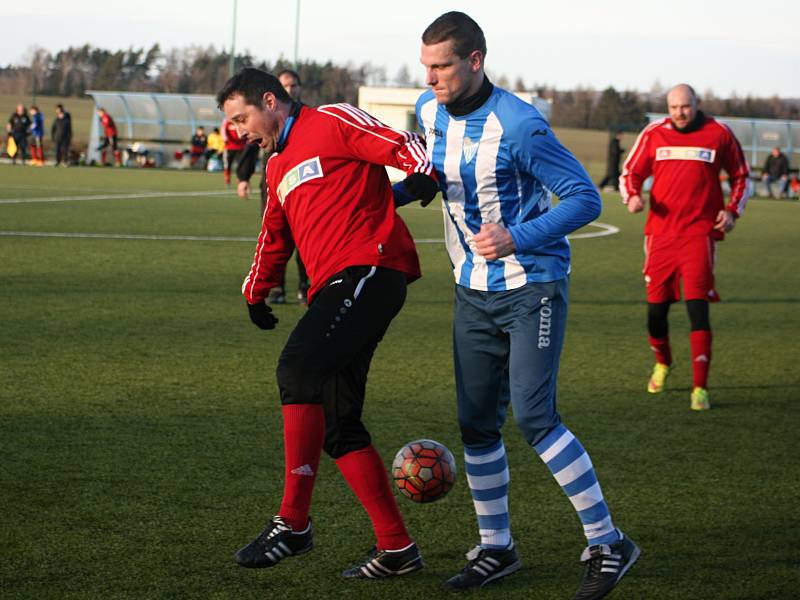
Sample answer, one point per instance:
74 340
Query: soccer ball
424 470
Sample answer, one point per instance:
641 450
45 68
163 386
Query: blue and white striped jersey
501 164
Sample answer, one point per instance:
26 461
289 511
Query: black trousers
327 356
62 151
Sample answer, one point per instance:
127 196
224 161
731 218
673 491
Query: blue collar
295 110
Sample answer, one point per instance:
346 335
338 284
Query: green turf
140 425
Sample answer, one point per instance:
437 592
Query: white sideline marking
605 230
127 236
135 196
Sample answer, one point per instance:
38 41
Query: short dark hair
292 73
466 34
60 107
252 84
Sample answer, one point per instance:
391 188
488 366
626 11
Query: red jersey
109 127
329 192
686 195
231 136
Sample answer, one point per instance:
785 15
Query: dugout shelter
161 123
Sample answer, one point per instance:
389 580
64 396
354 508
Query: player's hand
635 204
243 189
725 222
494 241
421 186
261 315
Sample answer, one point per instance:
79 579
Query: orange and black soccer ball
424 470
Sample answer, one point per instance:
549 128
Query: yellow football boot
658 378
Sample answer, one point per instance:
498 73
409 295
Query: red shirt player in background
329 193
233 147
109 137
684 153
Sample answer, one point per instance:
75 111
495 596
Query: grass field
140 427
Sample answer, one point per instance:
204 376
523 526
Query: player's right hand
635 204
261 315
243 189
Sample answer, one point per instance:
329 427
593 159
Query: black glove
421 186
262 316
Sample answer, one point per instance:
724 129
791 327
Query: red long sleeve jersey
231 136
686 195
329 192
109 127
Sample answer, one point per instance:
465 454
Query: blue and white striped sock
487 476
571 466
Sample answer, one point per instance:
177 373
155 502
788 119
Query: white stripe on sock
482 459
491 507
573 470
598 529
556 448
587 498
488 482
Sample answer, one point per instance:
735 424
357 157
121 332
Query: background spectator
61 133
776 170
18 126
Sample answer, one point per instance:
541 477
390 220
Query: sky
728 47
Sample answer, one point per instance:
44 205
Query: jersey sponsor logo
435 132
706 155
305 171
470 149
545 321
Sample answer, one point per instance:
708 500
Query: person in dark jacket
61 134
18 126
612 162
776 170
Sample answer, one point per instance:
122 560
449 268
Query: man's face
254 124
291 85
776 152
20 109
451 78
682 106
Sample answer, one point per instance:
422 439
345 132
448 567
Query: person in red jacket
234 145
328 191
684 153
109 137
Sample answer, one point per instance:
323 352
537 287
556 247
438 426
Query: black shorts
327 356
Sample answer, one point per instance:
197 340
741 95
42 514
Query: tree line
203 70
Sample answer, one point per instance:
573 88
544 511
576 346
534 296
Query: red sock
303 436
103 157
661 347
227 174
365 474
700 342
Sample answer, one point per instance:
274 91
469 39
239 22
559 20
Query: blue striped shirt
502 164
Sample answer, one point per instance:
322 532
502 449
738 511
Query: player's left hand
243 189
494 241
725 222
261 315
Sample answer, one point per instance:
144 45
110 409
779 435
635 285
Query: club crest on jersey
470 149
706 155
305 171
